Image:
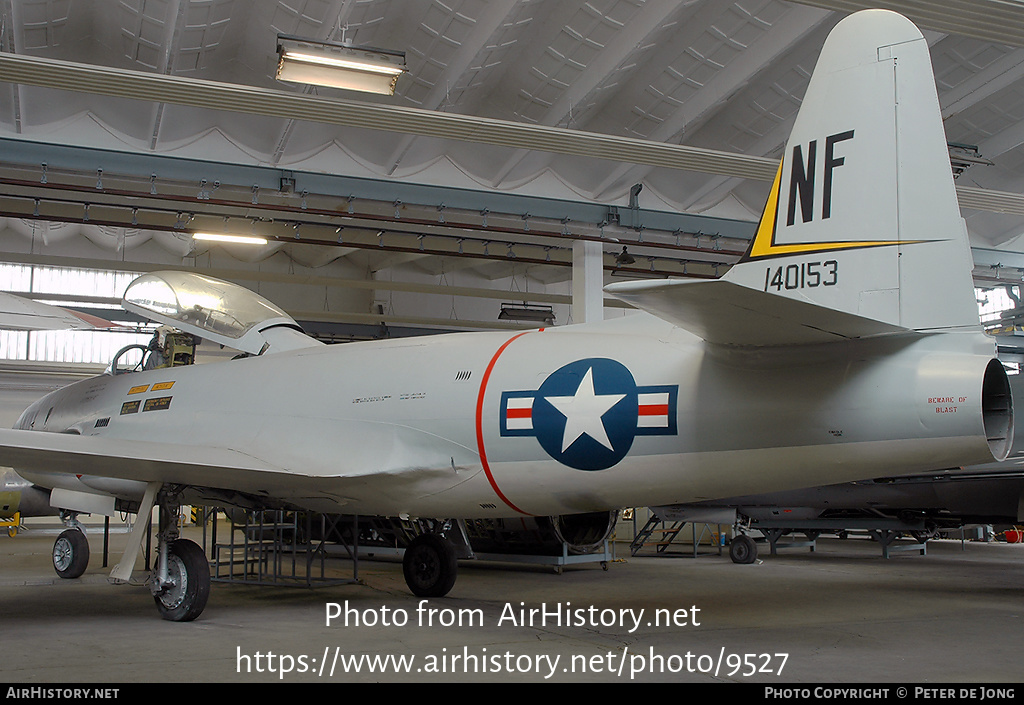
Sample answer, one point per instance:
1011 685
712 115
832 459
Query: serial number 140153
806 275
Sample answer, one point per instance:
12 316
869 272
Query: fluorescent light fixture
240 239
338 65
537 314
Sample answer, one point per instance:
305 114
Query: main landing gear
180 581
431 564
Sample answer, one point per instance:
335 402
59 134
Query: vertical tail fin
863 216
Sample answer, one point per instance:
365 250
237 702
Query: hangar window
992 303
1002 315
94 291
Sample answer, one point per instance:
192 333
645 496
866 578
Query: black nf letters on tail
801 177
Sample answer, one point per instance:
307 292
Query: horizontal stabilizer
725 313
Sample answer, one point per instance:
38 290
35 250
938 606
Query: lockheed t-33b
845 341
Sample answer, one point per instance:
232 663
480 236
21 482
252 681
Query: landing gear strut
742 548
71 549
180 581
183 596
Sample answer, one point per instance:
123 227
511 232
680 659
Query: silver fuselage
416 426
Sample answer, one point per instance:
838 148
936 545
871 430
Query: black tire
743 550
430 566
189 570
70 554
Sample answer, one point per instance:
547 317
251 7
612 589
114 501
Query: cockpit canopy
209 308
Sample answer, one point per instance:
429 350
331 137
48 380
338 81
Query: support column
587 282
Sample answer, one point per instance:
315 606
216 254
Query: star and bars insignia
587 414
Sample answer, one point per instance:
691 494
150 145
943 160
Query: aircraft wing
213 467
135 460
726 313
199 466
17 313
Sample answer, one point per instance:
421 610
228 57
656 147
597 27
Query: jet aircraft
846 340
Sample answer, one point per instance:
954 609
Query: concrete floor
841 615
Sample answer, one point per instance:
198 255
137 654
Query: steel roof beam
139 85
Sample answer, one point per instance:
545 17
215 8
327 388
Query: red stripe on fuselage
480 425
653 410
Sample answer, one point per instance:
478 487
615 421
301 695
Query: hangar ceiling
712 85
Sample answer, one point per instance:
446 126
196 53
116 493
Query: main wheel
70 553
743 549
430 566
189 573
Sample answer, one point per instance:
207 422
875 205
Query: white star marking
583 412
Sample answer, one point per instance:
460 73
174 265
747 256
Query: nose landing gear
70 553
742 549
71 549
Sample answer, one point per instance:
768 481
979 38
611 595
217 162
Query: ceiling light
240 239
338 65
638 274
624 258
537 314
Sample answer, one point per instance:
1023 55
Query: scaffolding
664 537
282 548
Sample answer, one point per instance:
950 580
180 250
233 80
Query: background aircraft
20 498
847 338
17 313
918 505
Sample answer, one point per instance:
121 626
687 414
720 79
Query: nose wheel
70 554
743 549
